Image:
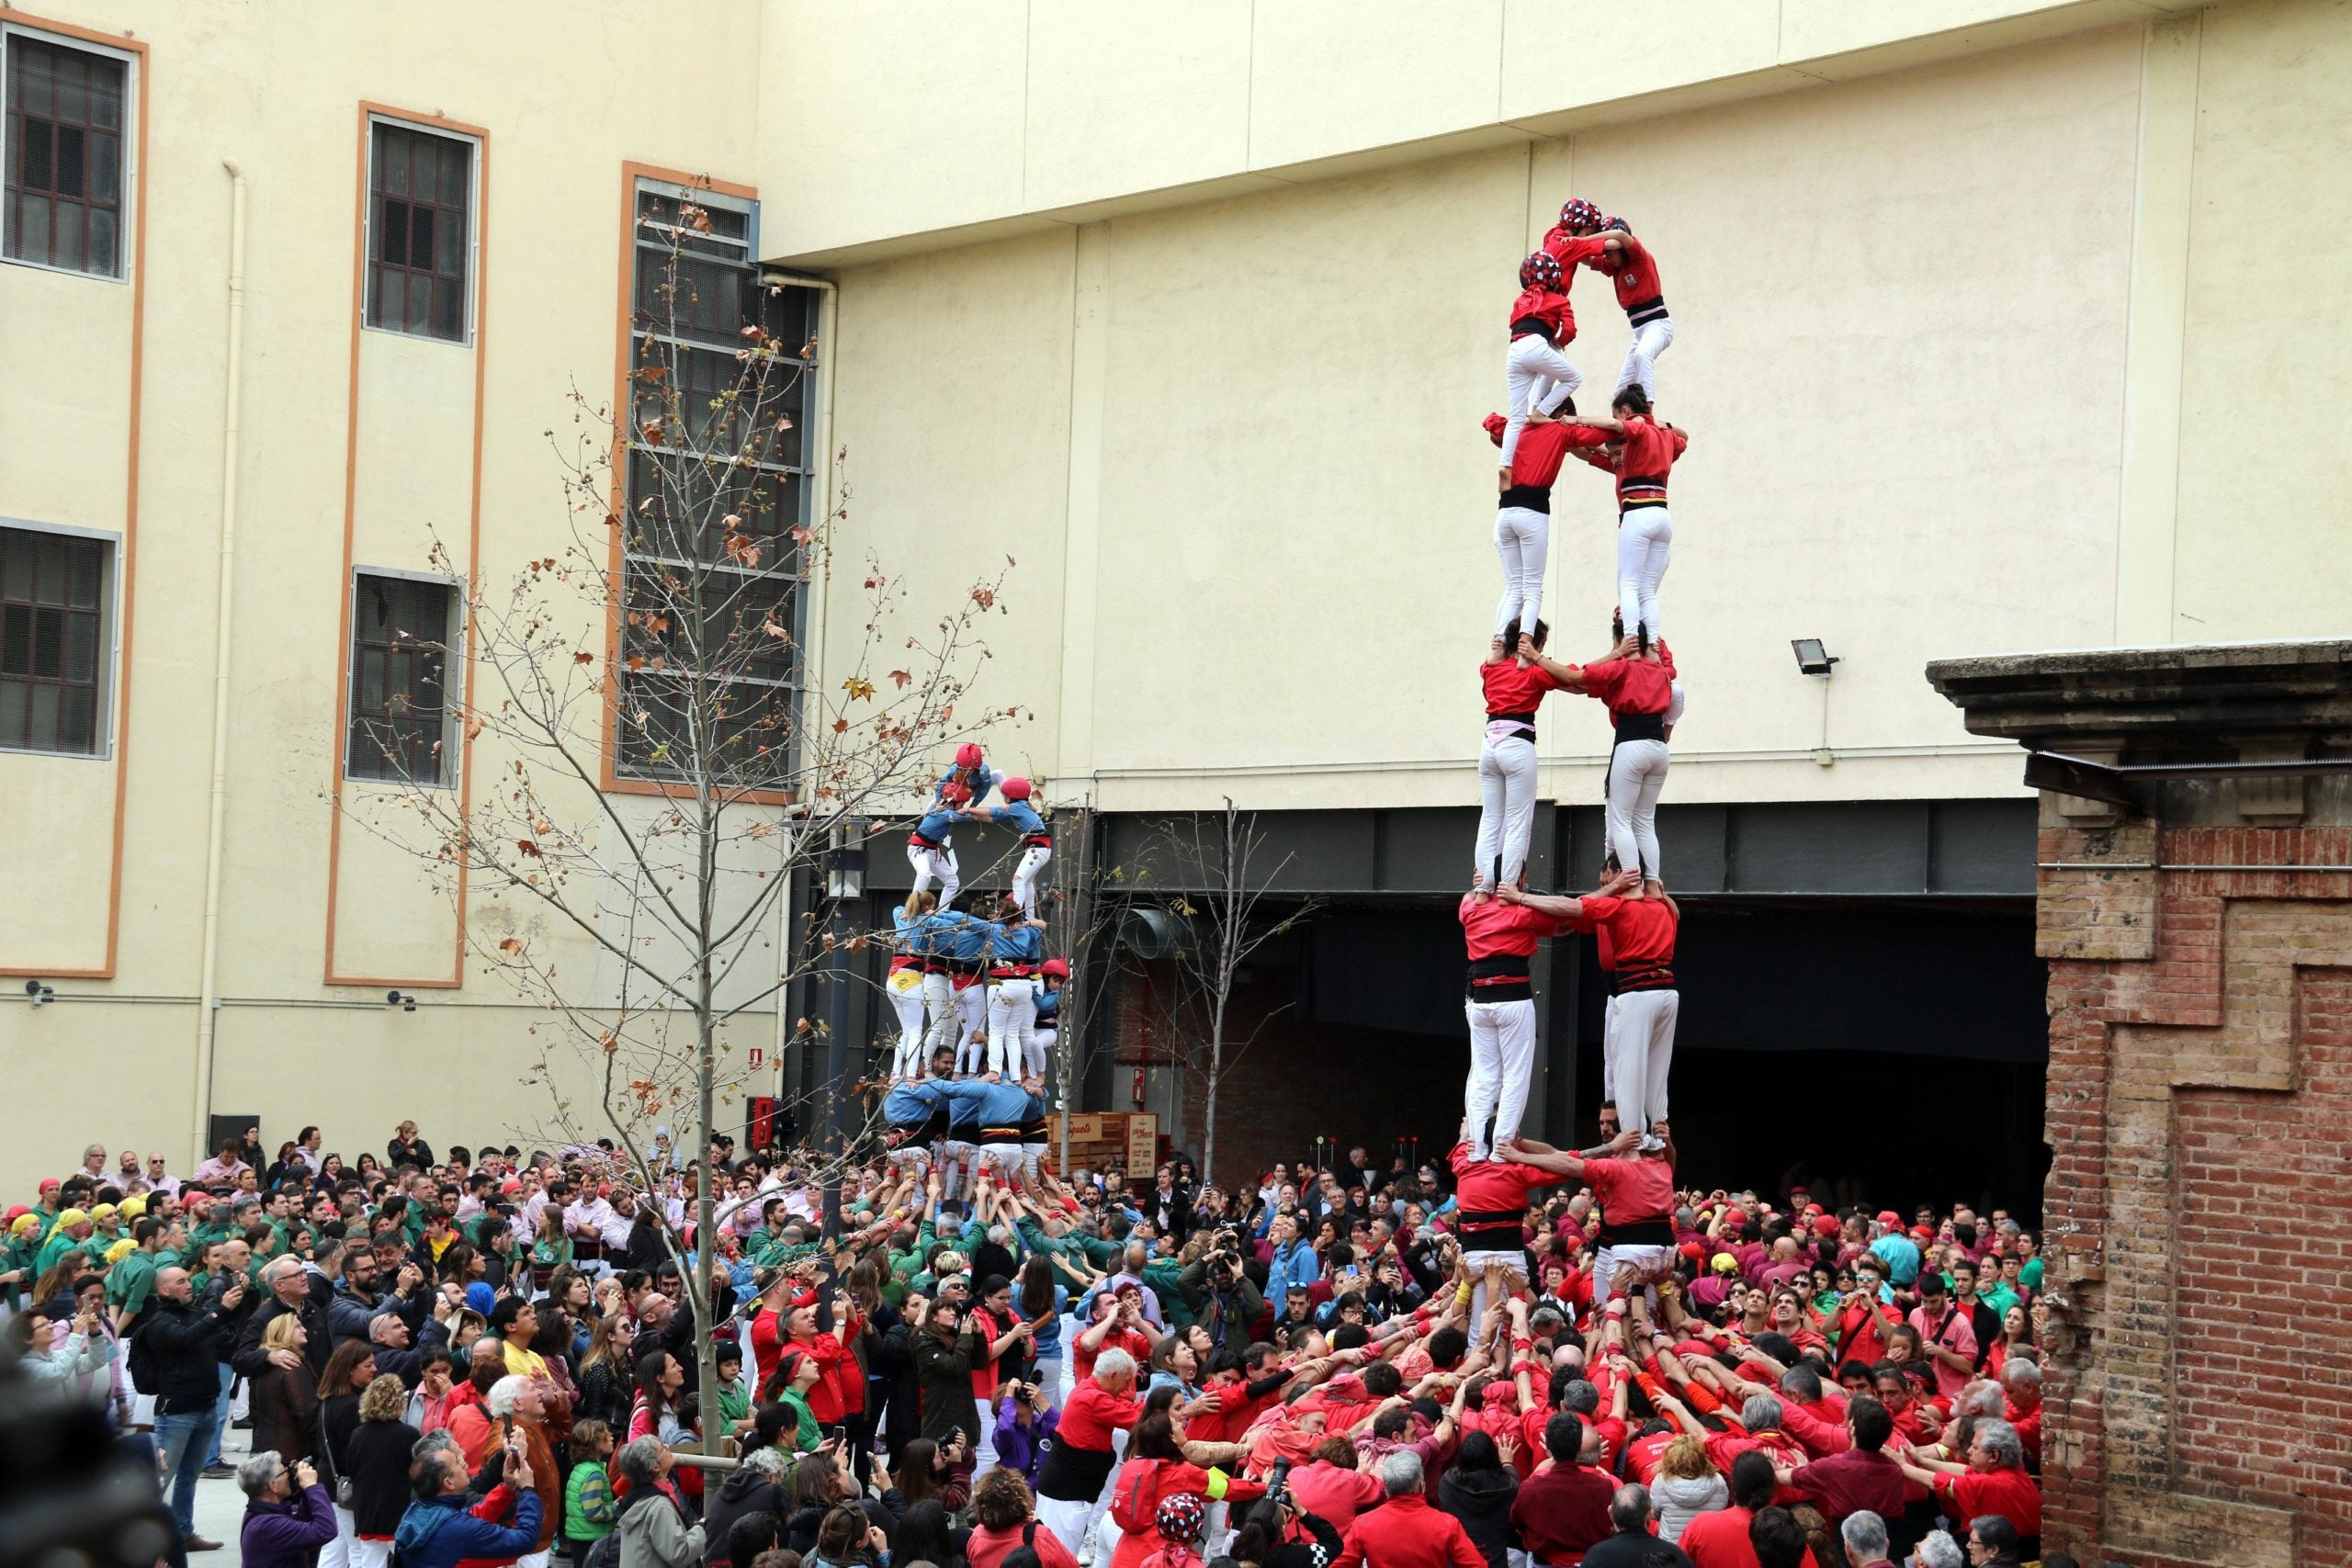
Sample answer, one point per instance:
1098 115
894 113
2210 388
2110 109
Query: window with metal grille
60 144
400 663
704 678
55 653
420 193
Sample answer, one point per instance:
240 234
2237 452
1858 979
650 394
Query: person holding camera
1025 1428
288 1516
1217 1287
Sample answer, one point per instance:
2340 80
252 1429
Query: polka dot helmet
1579 214
1181 1519
1541 270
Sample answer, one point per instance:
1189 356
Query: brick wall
2199 1203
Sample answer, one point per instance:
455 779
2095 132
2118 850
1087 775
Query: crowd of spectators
485 1355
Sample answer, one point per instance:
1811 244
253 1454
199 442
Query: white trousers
1024 876
1644 1039
371 1553
1040 1049
1502 1058
1648 1256
1609 1053
1650 340
1523 540
971 1026
956 1159
1530 372
336 1554
935 865
1505 808
1636 774
1514 1267
906 1000
939 1001
1644 544
1012 1007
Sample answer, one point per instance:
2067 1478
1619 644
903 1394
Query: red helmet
1015 789
954 794
967 755
1579 213
1058 967
1541 270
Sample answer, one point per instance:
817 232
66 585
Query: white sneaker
1651 1143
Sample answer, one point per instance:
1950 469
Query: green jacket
130 1283
806 1434
588 1501
58 1245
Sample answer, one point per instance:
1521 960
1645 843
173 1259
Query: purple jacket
287 1534
1022 1450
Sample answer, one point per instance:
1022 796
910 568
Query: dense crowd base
488 1357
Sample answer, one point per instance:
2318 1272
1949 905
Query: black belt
1532 326
1656 978
1034 1131
1641 726
963 966
1641 313
995 1136
1530 497
1496 1223
1637 1233
1641 490
1503 978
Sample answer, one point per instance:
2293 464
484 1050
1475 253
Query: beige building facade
1999 324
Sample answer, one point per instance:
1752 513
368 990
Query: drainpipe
209 1004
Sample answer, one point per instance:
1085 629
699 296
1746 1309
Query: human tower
979 1002
1631 917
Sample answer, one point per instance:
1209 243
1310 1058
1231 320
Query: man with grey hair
1938 1550
1074 1485
517 1409
1994 1482
288 1289
1864 1534
438 1530
1405 1531
288 1516
1631 1545
2021 1394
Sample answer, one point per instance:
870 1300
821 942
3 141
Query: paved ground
220 1507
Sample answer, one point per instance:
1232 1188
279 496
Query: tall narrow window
55 654
420 197
399 664
715 483
62 148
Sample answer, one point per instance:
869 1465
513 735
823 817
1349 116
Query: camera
1278 1483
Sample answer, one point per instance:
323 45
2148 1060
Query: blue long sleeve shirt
1016 947
1020 816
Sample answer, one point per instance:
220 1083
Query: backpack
605 1552
1135 1503
146 1372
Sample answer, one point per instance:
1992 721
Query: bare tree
662 768
1219 860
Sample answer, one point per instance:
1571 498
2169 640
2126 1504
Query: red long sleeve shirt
1544 447
1630 686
